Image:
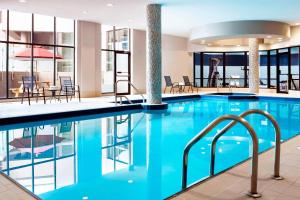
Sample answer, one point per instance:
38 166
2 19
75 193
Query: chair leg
171 90
44 96
59 96
165 90
67 95
37 97
23 95
79 94
28 96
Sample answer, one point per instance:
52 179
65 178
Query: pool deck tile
11 191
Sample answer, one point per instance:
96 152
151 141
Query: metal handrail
116 92
231 124
206 130
121 96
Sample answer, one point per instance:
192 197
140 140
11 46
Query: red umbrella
38 52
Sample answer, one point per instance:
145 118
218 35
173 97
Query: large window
295 68
279 68
197 69
114 42
273 66
236 69
34 45
263 68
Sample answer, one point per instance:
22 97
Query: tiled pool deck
10 191
230 185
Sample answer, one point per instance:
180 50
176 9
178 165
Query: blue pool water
133 155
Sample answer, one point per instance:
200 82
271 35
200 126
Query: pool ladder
117 95
236 119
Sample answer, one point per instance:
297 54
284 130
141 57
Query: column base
162 106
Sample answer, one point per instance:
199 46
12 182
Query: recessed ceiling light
22 1
269 36
84 12
238 45
279 38
109 5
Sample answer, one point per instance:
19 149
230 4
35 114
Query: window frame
32 44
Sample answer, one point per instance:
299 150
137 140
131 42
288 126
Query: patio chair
67 88
32 89
188 84
283 85
170 84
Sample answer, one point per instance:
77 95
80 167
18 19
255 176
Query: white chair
234 81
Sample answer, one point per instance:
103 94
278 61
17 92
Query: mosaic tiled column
253 65
153 69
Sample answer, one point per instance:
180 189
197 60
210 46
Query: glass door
283 72
122 72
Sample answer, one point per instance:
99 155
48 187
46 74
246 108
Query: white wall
176 61
88 69
138 59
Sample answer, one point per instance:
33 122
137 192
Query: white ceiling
178 16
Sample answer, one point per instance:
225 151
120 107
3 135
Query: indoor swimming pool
136 154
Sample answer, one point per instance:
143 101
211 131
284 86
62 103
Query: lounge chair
32 89
170 84
67 88
262 84
187 83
